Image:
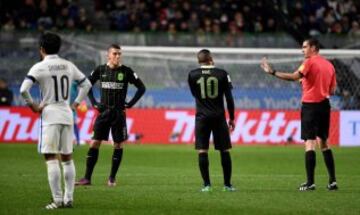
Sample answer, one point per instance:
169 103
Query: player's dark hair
314 42
204 56
50 42
115 46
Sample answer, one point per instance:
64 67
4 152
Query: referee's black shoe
332 186
306 187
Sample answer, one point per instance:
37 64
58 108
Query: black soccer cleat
306 187
332 186
68 204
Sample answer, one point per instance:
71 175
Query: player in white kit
54 75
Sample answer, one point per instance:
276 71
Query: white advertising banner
350 128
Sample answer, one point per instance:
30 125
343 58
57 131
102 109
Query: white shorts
56 138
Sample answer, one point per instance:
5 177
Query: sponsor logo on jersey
112 85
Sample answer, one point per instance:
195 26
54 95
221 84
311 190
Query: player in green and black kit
114 79
208 85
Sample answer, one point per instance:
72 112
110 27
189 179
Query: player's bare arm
281 75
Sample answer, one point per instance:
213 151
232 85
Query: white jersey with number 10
54 76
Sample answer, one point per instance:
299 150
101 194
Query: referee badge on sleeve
301 68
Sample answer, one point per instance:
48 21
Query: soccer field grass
156 179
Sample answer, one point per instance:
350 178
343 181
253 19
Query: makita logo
164 126
14 126
265 127
17 128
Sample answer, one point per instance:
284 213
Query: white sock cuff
66 163
52 162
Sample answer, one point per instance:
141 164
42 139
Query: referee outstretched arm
295 76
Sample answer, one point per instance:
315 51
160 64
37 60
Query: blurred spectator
6 95
43 15
229 17
354 32
348 101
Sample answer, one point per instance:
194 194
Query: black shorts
219 128
114 119
315 120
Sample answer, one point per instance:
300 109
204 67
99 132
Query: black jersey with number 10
208 85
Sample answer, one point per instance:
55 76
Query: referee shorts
315 120
204 126
114 120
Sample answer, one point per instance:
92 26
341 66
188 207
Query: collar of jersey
207 66
51 56
107 64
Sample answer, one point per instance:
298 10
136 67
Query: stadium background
160 40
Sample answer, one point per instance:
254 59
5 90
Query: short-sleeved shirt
318 79
54 76
208 85
113 84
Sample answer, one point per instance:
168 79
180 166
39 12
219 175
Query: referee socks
330 164
310 163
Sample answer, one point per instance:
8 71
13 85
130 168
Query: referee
114 80
318 82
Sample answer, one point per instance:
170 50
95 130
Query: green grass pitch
164 179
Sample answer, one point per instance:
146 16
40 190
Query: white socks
54 177
69 180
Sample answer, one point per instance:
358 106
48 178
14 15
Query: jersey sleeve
191 85
132 76
228 81
95 75
78 75
333 81
34 73
304 67
229 97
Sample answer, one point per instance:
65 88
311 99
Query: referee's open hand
266 66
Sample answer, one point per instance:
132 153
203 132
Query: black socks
116 160
330 164
226 165
204 168
310 163
91 160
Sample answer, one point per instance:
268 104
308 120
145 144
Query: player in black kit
114 79
208 85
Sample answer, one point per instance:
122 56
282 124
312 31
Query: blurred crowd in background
209 16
